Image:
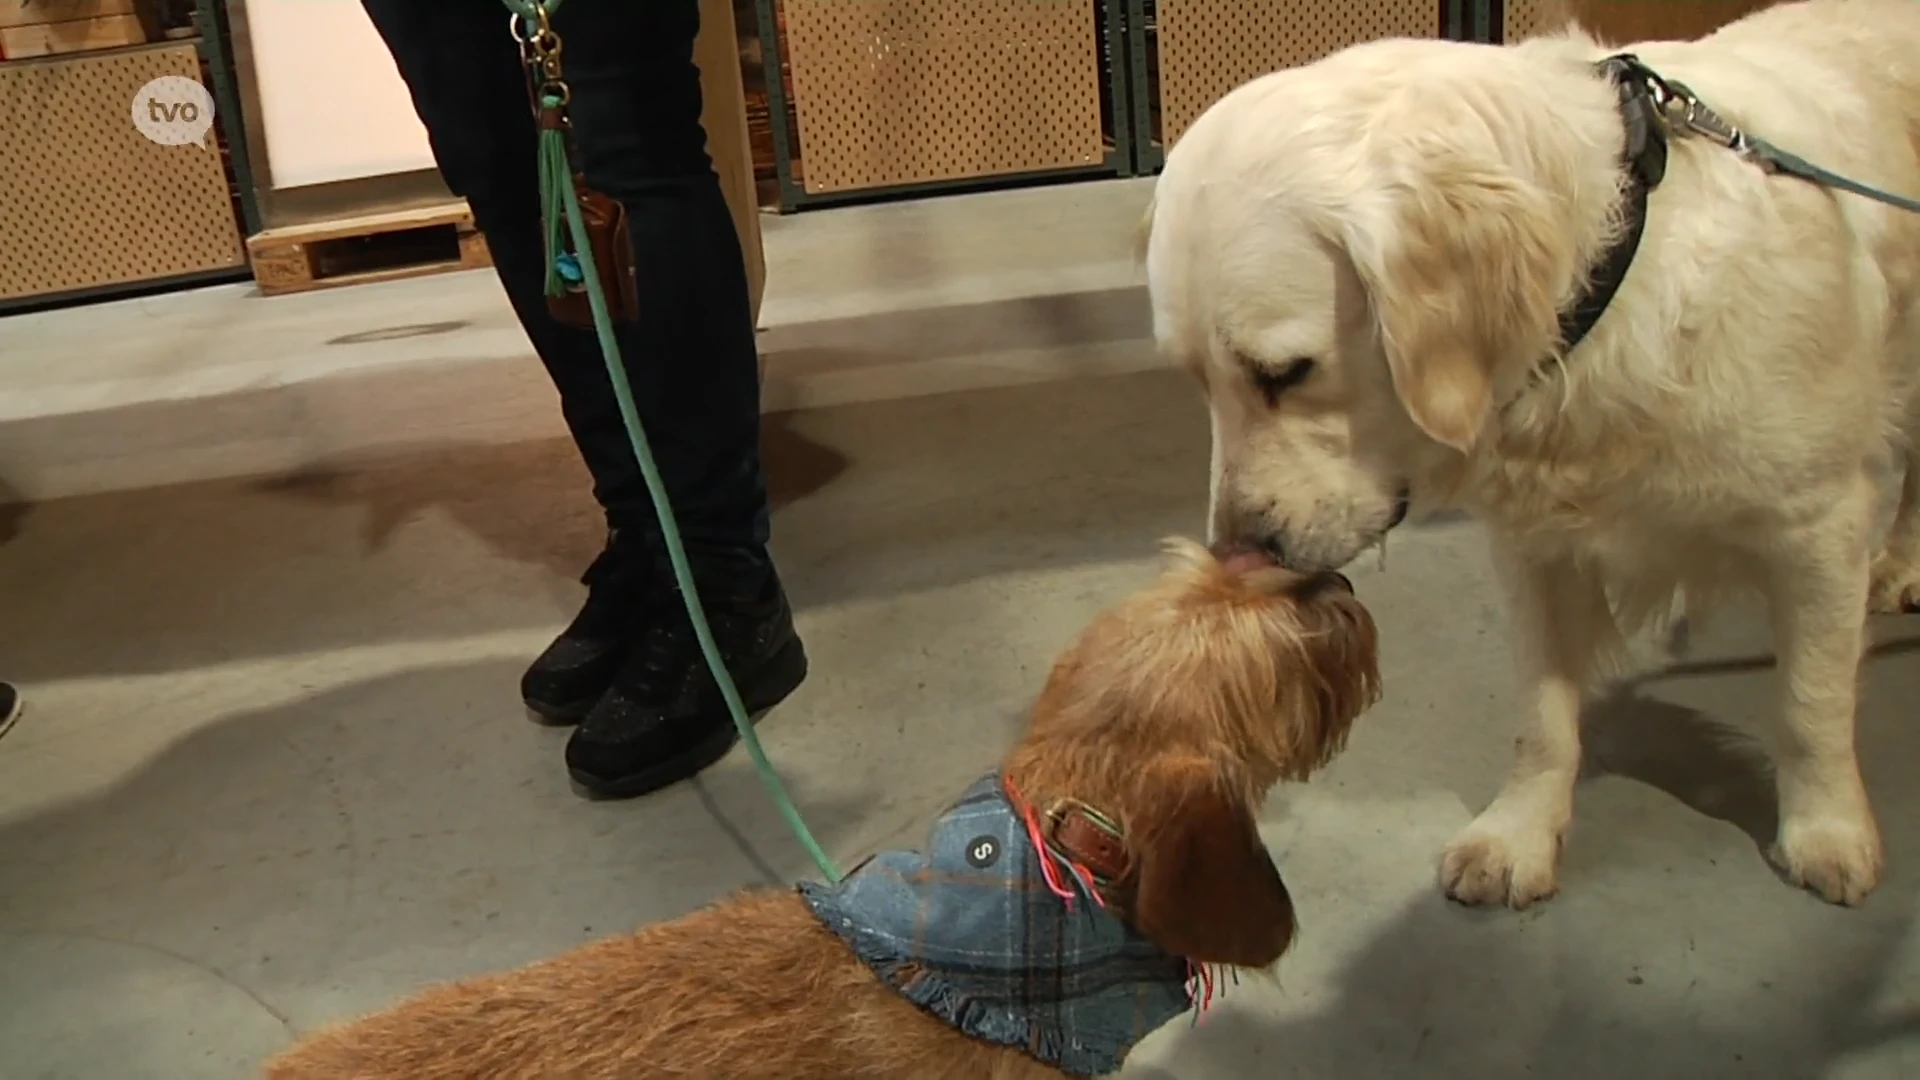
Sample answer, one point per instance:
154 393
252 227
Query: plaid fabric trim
970 931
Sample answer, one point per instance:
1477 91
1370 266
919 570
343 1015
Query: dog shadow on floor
1718 769
876 501
179 578
530 501
1445 993
1654 961
1603 981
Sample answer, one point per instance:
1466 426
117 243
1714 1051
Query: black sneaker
663 720
574 672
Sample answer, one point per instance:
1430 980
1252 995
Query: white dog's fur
1411 215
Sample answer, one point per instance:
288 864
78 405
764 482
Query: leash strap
1775 159
1684 112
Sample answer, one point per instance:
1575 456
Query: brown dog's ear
1463 264
1206 889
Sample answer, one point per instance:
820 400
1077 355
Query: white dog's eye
1274 381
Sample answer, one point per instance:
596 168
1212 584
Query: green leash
560 201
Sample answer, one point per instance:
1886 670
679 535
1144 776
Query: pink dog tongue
1247 561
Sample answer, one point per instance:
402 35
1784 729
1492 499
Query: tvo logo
173 110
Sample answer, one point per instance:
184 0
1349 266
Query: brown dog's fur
1174 712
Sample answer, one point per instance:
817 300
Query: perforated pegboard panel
1522 19
1208 47
90 201
1622 22
908 91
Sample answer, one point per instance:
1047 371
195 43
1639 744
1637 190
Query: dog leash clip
1691 114
1683 110
1680 108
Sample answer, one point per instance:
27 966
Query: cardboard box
1624 21
78 35
724 113
1636 20
35 12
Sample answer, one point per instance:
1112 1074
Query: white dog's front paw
1837 856
1509 855
1896 587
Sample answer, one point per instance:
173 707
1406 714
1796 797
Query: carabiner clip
1687 111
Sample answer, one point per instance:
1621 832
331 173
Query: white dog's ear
1463 264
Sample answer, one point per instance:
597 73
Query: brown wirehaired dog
1120 830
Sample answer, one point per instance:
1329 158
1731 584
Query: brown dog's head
1173 714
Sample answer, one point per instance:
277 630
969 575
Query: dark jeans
636 119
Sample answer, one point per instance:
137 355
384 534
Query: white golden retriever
1364 260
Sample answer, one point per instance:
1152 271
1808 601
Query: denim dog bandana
974 932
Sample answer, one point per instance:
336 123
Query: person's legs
691 354
690 357
636 117
464 74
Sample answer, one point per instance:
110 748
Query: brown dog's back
752 988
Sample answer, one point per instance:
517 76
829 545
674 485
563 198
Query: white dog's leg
1817 593
1896 573
1510 854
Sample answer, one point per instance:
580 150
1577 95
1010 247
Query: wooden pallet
72 36
368 248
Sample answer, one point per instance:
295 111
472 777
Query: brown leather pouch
606 222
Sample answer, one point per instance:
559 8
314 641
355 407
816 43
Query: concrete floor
274 771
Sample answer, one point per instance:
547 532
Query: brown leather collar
1084 836
1075 831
